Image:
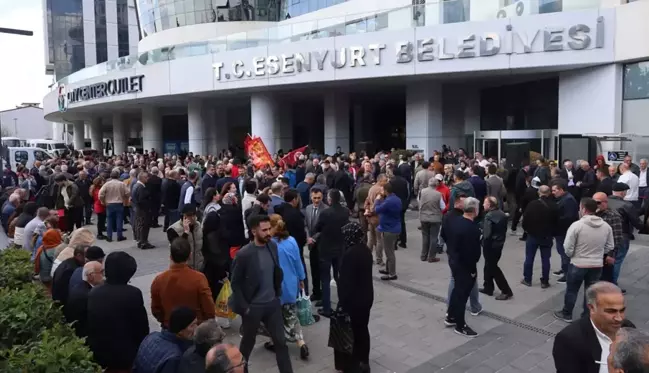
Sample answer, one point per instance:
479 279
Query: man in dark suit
331 245
588 181
605 183
256 287
569 174
312 215
583 346
76 308
154 186
401 188
141 202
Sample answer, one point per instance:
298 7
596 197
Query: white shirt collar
605 343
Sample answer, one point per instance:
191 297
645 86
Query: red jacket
446 194
98 207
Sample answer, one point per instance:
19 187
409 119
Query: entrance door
490 148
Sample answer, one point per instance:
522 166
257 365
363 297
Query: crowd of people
228 222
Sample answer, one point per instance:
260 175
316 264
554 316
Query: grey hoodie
587 240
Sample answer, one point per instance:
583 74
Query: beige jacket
114 191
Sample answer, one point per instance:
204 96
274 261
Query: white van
25 155
52 146
13 141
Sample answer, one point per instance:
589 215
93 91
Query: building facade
567 77
25 122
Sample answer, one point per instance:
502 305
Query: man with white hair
276 197
643 176
584 346
629 178
629 352
207 335
8 209
76 307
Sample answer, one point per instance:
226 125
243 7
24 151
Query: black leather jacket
494 229
629 214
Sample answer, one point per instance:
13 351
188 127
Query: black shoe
316 318
523 238
526 283
403 245
101 237
315 297
388 277
623 291
561 316
545 285
119 239
632 237
108 239
318 303
466 331
147 246
384 272
322 313
156 226
269 346
449 322
365 368
562 280
504 296
558 273
304 352
486 292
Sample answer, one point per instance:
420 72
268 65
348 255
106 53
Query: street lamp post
13 31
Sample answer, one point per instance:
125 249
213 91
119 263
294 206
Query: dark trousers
607 272
141 226
518 214
429 234
87 211
171 216
492 271
361 349
306 276
314 263
403 236
115 216
154 214
73 216
326 264
127 214
464 282
575 277
544 244
271 315
101 223
565 261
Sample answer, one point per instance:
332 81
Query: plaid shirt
613 219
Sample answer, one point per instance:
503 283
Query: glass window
636 81
21 156
41 155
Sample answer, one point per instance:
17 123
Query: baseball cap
620 187
536 182
439 177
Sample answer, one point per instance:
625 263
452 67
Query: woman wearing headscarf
293 280
80 237
355 297
45 256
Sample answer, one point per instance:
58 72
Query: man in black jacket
588 181
462 237
117 319
630 220
294 220
153 186
538 221
83 184
170 198
141 202
605 183
63 273
493 239
330 245
256 288
567 213
76 308
401 189
583 346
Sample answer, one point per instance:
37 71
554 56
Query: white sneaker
333 283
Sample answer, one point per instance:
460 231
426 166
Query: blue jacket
274 202
479 187
304 188
291 264
389 211
7 210
160 352
290 175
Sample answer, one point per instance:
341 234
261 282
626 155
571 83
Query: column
96 134
119 134
471 116
336 122
424 117
218 133
284 135
453 117
78 139
152 129
264 119
196 128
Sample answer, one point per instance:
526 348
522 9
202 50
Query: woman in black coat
355 297
216 256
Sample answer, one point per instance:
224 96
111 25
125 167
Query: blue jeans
474 301
531 246
574 278
565 261
115 215
325 278
619 258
